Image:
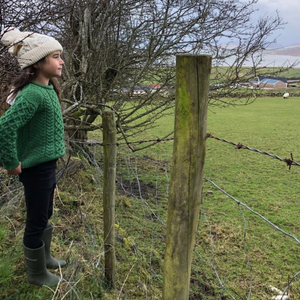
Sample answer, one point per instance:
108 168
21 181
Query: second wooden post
192 85
109 140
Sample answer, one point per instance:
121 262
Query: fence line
138 176
99 143
212 264
133 168
288 161
238 146
240 204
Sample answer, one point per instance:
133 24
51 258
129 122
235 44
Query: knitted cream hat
29 47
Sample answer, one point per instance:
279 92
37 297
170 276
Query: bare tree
111 47
27 16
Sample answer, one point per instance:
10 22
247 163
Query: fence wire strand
288 161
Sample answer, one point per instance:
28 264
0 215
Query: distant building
270 83
140 90
155 86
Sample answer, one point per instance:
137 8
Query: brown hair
24 78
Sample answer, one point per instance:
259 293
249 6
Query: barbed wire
240 146
137 175
133 169
212 263
100 143
288 161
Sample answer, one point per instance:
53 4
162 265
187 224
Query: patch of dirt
136 188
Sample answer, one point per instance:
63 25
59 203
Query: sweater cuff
11 165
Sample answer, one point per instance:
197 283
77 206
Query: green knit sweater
31 130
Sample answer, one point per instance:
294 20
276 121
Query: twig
119 297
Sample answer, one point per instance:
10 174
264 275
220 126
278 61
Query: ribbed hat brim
33 56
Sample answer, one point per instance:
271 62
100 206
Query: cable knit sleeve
12 120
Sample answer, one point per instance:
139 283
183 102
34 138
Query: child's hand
15 171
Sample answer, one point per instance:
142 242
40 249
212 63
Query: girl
31 141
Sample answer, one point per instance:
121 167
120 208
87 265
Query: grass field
245 252
264 184
261 182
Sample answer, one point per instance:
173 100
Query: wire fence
141 204
289 161
136 188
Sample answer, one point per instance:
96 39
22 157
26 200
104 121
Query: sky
289 11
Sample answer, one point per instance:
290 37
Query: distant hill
276 57
290 51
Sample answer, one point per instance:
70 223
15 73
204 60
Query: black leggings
39 183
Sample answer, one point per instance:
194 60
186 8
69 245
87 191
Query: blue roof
270 81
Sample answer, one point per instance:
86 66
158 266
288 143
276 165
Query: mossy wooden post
192 85
109 140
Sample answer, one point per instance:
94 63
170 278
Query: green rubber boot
51 262
36 268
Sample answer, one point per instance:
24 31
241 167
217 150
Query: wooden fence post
109 140
192 85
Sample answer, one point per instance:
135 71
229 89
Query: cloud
289 11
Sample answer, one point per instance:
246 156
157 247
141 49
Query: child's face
52 65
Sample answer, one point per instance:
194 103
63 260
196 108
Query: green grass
261 182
